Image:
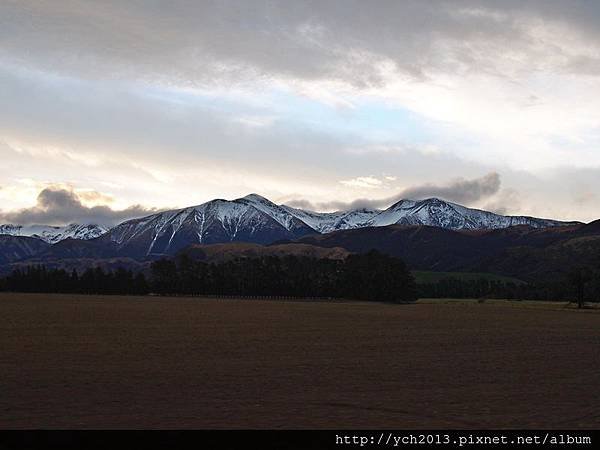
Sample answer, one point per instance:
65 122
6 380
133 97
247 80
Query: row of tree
372 276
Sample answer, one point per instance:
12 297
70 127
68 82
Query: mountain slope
279 213
341 220
15 248
224 252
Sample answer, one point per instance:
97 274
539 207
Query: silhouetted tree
579 277
165 278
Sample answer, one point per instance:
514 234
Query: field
147 362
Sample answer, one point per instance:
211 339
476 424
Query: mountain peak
435 201
256 198
432 200
403 203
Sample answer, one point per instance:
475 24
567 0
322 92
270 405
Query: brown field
127 362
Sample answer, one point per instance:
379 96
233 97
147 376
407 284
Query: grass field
123 362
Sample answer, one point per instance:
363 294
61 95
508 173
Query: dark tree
165 278
579 277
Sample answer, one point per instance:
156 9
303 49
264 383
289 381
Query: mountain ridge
52 234
255 219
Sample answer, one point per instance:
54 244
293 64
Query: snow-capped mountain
443 214
255 219
277 212
252 219
248 219
52 234
341 220
433 212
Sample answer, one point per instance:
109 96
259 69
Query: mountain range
256 219
430 234
53 234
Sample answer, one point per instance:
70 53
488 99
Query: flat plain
69 361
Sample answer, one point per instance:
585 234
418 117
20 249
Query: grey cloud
200 42
506 201
300 203
461 191
62 206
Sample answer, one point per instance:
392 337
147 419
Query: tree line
371 276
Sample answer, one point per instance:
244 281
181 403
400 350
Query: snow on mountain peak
441 213
52 234
249 219
279 213
325 222
255 198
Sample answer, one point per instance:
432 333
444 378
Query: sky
116 109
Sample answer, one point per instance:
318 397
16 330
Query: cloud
94 198
506 201
57 206
351 41
460 190
363 182
285 97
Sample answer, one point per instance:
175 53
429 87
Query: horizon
115 111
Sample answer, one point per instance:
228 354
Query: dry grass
122 362
535 304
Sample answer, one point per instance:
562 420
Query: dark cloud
300 203
61 206
460 191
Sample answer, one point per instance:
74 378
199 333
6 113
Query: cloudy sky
110 109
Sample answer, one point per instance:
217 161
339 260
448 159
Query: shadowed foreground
143 362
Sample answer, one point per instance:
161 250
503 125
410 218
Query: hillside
223 252
523 252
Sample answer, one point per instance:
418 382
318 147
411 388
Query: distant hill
223 252
523 252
